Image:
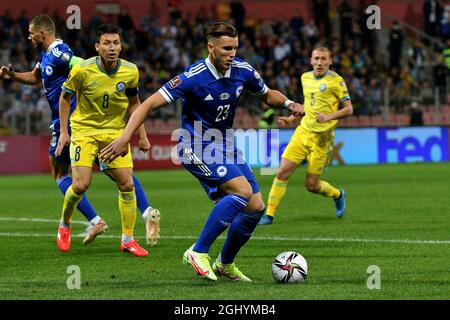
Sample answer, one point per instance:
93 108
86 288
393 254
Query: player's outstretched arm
64 110
345 111
30 78
277 99
120 146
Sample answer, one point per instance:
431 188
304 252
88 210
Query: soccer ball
289 267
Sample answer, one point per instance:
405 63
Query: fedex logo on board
413 145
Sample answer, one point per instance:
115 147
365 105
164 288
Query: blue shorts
65 155
211 176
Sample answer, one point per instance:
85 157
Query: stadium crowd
278 49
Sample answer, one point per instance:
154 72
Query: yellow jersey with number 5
102 97
322 95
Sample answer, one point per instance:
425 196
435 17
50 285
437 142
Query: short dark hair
219 29
108 28
43 21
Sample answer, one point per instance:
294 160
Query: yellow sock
127 208
276 193
71 200
327 190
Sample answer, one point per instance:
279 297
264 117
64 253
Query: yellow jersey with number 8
102 97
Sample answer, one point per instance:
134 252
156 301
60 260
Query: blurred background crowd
398 75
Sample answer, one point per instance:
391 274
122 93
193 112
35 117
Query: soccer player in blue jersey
56 60
210 90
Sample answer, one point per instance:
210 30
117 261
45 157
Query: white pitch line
309 239
306 239
40 220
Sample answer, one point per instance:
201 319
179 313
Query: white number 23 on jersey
222 112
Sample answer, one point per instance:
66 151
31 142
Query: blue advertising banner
263 148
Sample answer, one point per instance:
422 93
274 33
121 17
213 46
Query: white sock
126 239
95 220
146 213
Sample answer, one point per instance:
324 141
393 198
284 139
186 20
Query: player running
56 61
326 99
210 90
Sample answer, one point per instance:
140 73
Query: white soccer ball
289 267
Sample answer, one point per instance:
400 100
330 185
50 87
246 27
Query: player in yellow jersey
106 88
326 99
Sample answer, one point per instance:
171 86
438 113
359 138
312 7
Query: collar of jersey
106 72
319 78
53 45
214 71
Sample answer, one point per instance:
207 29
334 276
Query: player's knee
283 174
79 187
312 187
256 207
126 186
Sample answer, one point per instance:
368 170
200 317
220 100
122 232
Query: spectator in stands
296 24
311 33
416 60
432 17
395 45
426 93
281 50
125 21
346 14
375 98
321 16
415 115
446 54
238 14
440 77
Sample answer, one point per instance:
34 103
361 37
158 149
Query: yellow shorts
314 147
85 150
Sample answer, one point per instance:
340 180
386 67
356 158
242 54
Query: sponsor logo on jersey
49 70
209 97
222 171
175 82
224 96
120 86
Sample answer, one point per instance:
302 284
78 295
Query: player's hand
322 117
113 150
283 121
296 109
7 72
144 144
64 140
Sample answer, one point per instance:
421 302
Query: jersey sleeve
341 90
62 55
255 84
73 81
132 89
176 88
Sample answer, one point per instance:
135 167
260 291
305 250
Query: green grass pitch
398 219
